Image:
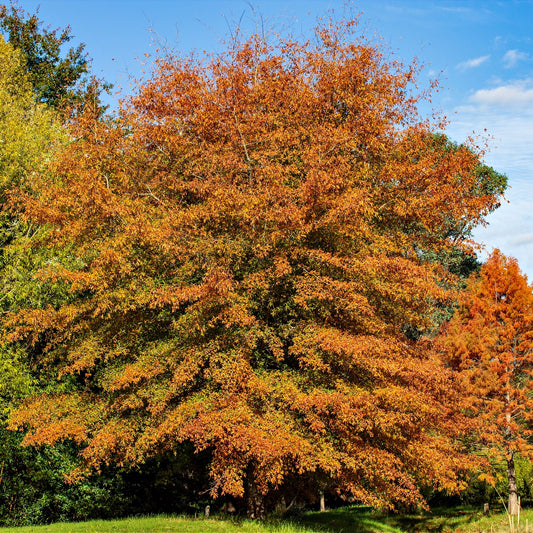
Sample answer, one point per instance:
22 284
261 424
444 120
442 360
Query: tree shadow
360 519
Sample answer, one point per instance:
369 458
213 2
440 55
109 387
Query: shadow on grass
360 519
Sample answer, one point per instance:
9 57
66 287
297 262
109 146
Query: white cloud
517 94
472 63
512 57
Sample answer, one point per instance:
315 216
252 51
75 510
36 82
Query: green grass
159 524
356 519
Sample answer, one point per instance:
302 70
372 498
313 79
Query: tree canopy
250 237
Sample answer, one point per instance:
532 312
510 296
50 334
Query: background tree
59 77
456 259
249 232
489 342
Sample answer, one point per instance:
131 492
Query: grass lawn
345 520
156 524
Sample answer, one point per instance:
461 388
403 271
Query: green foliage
54 75
480 491
33 490
16 381
23 271
29 131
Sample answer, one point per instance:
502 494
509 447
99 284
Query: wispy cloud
527 238
461 10
431 9
473 63
512 57
515 94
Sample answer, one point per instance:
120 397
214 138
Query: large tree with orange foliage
252 231
489 342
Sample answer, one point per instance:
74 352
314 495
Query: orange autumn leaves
490 345
250 234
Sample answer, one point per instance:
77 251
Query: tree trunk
322 502
513 492
511 474
255 500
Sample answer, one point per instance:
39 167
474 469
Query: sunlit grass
345 520
162 524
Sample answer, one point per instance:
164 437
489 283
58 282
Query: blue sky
481 50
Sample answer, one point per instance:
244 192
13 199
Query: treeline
251 285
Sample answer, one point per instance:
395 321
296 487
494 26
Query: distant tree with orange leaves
252 233
489 342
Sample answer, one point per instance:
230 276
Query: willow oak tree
250 228
490 343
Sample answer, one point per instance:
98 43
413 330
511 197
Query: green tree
58 77
459 262
29 130
30 134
